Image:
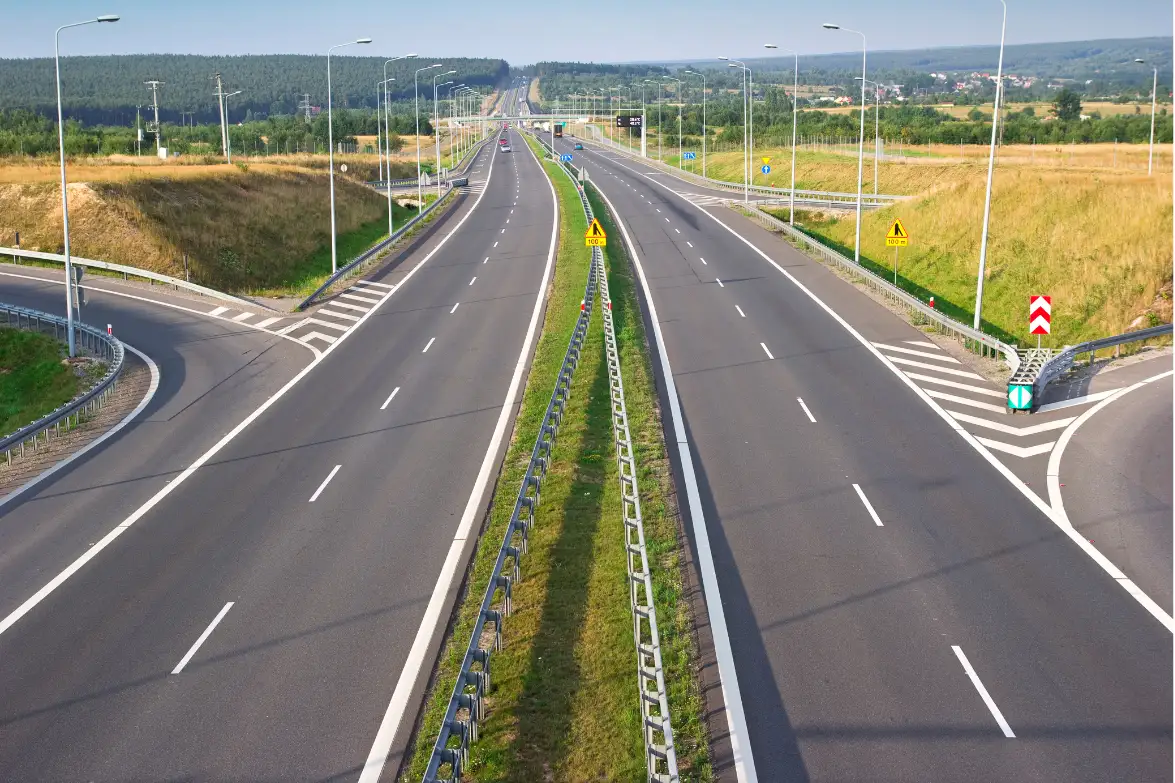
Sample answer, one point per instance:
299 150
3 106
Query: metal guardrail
354 264
808 197
972 338
86 337
146 274
466 705
463 163
660 754
1061 362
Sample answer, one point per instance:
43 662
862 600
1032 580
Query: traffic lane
1116 484
851 379
228 539
211 372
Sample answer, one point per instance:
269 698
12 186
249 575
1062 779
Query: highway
899 604
272 611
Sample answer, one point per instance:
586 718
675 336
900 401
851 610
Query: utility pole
220 103
138 131
304 106
154 85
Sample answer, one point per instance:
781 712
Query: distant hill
105 90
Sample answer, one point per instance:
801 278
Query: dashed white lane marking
691 244
702 260
983 694
740 311
471 282
267 322
495 244
388 401
868 505
766 351
243 317
954 385
325 481
811 418
454 308
203 637
666 220
503 231
678 230
658 210
430 342
333 314
218 311
719 282
487 260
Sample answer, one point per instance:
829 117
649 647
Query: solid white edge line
767 351
15 615
1061 521
740 741
811 418
868 505
983 694
1054 484
179 667
181 308
416 663
154 369
325 481
388 401
430 342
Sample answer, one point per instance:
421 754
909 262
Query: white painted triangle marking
364 299
983 406
242 317
923 343
267 322
327 324
318 336
218 311
935 368
1020 432
939 357
293 326
956 385
333 314
377 285
1017 451
346 306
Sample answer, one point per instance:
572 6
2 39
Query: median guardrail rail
353 266
466 707
463 163
130 271
1060 363
660 754
87 338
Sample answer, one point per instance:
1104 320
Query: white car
504 148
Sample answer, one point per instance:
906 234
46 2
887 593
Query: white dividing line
471 282
740 311
346 306
939 357
217 311
740 743
325 481
702 260
811 418
865 500
923 343
666 220
333 314
495 245
454 308
243 317
179 667
487 260
395 391
719 282
657 210
503 231
678 230
1034 429
769 356
691 244
384 286
983 694
955 385
417 662
267 322
934 367
364 299
1023 452
983 406
32 601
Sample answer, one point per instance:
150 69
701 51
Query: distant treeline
105 90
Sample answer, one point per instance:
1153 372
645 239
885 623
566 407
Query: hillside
244 231
105 90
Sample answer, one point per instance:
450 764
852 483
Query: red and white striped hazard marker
1040 314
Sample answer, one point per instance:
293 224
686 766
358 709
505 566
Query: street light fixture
70 283
416 91
861 142
388 134
748 125
330 135
703 76
436 121
795 110
1150 166
995 121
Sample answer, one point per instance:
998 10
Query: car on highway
578 146
502 142
504 148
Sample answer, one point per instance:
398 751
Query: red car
503 142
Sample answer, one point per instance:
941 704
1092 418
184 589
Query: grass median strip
33 379
564 704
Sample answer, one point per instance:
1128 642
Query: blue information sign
766 169
565 157
689 155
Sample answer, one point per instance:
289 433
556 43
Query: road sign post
897 237
595 236
1040 316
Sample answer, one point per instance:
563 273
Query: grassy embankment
33 379
564 705
262 230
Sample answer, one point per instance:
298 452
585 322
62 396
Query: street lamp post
330 135
436 121
861 142
228 127
1150 165
679 102
416 91
70 284
388 135
454 138
995 121
696 73
876 127
795 110
746 128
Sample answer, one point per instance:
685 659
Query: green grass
33 381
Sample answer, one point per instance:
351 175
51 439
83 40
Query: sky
600 31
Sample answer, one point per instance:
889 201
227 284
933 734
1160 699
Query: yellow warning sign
766 161
897 236
595 236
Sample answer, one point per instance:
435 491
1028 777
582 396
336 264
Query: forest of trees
105 90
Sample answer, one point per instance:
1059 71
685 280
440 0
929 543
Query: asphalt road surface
324 523
897 609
